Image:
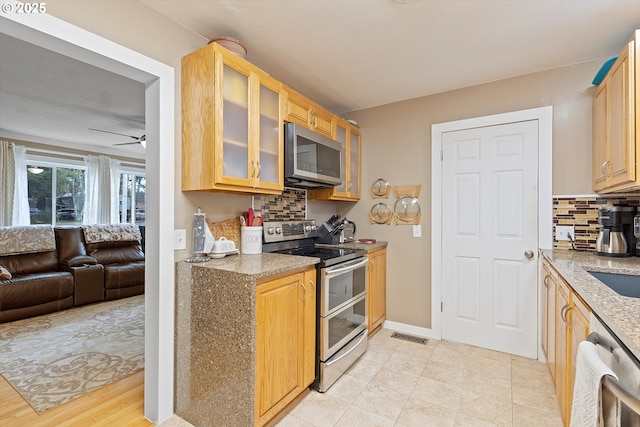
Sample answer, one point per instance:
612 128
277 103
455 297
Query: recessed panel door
490 237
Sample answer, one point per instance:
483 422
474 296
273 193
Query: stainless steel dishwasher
626 367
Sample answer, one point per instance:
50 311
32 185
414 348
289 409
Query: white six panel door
489 223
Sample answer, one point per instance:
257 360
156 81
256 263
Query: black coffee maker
616 236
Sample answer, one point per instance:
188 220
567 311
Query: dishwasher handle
628 398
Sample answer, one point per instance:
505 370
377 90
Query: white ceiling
345 54
50 98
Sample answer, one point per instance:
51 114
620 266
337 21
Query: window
56 194
133 189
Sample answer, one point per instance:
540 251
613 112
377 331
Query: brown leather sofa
40 275
31 283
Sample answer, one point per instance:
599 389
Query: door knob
528 254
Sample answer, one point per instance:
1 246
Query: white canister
250 240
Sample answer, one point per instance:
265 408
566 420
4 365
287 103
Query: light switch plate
417 230
179 240
565 232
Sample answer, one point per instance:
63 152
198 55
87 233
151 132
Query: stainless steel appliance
310 159
626 388
341 327
615 237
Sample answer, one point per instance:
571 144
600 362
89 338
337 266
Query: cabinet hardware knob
259 169
253 171
304 288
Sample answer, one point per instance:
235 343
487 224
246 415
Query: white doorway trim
59 36
544 115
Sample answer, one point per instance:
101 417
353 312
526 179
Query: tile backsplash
582 213
290 205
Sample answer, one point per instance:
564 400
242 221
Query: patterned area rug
58 357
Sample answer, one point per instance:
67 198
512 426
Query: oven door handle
337 359
346 267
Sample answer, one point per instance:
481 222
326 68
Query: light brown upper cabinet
300 109
232 129
349 136
616 127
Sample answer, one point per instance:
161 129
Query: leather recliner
35 285
123 262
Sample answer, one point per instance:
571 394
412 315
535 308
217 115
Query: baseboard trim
410 329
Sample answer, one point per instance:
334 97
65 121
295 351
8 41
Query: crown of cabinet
616 127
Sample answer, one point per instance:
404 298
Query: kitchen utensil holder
250 240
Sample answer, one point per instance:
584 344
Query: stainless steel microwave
311 160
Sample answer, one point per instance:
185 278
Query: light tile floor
403 384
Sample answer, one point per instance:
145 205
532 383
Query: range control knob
307 228
270 230
278 230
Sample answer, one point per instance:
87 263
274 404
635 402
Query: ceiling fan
138 139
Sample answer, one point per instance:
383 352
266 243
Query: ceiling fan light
36 170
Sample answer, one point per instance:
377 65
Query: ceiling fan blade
115 133
128 143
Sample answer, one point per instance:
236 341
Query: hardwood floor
117 404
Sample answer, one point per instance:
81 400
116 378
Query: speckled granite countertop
258 265
358 245
215 335
621 314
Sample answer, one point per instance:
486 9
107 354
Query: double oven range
341 326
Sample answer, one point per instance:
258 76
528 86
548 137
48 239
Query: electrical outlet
179 240
417 231
564 232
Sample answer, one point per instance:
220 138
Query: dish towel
586 408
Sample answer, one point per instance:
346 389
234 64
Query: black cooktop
328 256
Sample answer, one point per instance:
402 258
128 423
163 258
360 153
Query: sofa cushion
115 252
4 273
35 289
26 239
123 275
30 263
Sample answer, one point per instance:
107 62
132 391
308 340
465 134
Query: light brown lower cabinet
377 294
285 342
567 325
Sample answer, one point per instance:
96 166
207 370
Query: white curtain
21 215
14 195
101 199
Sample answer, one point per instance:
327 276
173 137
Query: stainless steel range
341 327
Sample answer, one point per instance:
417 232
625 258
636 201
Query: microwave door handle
334 271
362 338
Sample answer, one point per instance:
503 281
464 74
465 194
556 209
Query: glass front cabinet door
348 136
232 136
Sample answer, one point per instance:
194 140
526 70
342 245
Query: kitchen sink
624 284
